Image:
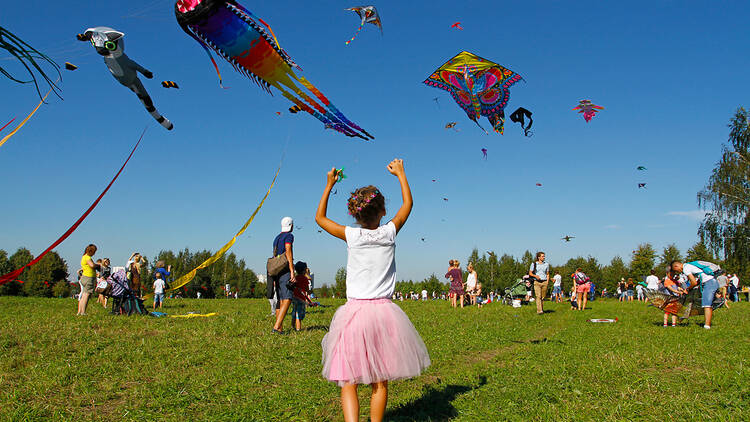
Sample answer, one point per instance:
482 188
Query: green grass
489 364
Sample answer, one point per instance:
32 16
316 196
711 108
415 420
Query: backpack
581 278
708 268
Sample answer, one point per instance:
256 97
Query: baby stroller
124 300
516 290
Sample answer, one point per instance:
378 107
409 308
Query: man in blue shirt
592 292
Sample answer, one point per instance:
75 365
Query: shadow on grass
434 405
316 327
537 341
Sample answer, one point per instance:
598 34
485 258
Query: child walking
370 339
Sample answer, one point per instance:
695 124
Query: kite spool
604 320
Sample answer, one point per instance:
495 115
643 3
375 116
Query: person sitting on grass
573 302
300 294
159 286
672 286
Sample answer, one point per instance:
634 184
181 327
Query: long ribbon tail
6 125
322 113
208 52
307 84
14 275
356 33
185 279
20 125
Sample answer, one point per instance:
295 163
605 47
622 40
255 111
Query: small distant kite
295 109
451 125
445 199
539 185
70 66
170 84
278 113
437 101
641 168
484 153
369 14
641 186
422 239
480 87
519 116
457 25
588 109
567 238
434 180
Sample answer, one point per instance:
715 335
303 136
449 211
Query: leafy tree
433 284
726 197
644 259
612 273
12 288
669 254
41 277
61 289
340 288
699 252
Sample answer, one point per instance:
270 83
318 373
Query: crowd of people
96 277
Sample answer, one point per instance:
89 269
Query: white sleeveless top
471 281
371 264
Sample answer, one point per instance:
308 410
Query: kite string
190 275
13 275
6 125
20 125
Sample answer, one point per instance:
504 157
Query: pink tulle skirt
371 341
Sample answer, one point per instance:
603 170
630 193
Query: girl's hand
396 167
332 177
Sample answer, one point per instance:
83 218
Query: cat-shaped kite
111 46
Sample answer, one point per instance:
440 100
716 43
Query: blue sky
669 74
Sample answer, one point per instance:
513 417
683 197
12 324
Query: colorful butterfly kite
249 44
369 14
479 86
588 109
518 116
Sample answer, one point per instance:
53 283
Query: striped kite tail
356 33
332 107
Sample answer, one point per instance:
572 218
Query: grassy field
496 363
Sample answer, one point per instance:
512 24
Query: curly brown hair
366 204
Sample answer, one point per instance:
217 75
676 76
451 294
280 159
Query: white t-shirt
424 294
558 280
688 269
159 286
471 281
371 264
735 281
652 282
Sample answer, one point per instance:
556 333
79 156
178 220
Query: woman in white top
370 339
471 283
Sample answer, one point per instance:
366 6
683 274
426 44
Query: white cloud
692 215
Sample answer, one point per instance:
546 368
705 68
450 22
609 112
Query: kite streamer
13 275
185 279
194 315
6 125
20 125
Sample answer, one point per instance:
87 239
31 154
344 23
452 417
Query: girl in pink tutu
370 340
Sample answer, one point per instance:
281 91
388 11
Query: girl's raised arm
325 223
396 168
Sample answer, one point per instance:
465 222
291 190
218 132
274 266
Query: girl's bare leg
378 401
350 402
462 301
585 299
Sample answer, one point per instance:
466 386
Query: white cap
286 224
